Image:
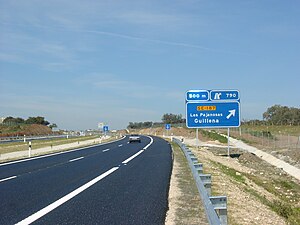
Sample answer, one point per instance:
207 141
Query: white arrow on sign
231 113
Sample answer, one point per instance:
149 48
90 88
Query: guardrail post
194 160
199 167
220 205
191 154
206 179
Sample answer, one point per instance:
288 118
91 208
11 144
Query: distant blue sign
212 114
224 95
168 126
197 95
105 128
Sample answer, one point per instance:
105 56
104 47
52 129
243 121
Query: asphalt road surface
114 183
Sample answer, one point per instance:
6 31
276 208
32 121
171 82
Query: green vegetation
281 188
214 136
286 191
18 126
172 118
271 129
21 146
190 210
237 176
139 125
284 209
24 129
282 115
31 120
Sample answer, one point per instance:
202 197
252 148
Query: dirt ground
258 193
243 207
284 147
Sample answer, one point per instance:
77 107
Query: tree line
275 115
282 115
31 120
168 118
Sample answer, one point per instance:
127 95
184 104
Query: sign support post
197 138
168 127
105 129
228 150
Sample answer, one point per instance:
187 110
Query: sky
79 63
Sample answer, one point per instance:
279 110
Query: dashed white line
106 150
132 157
8 178
72 160
120 145
64 199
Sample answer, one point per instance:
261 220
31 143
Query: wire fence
267 139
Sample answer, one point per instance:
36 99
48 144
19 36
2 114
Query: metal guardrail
215 206
30 138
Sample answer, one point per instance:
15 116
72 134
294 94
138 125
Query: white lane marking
72 160
120 145
106 150
147 146
132 157
141 151
58 153
8 178
64 199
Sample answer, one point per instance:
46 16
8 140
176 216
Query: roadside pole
29 149
197 138
228 150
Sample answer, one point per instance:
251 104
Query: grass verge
214 136
189 208
21 146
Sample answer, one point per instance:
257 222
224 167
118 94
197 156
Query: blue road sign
224 95
105 128
168 126
197 95
212 114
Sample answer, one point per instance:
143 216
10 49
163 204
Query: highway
114 183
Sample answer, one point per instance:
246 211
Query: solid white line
9 178
147 146
106 150
64 199
132 157
72 160
141 151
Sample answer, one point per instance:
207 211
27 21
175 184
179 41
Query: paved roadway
115 183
